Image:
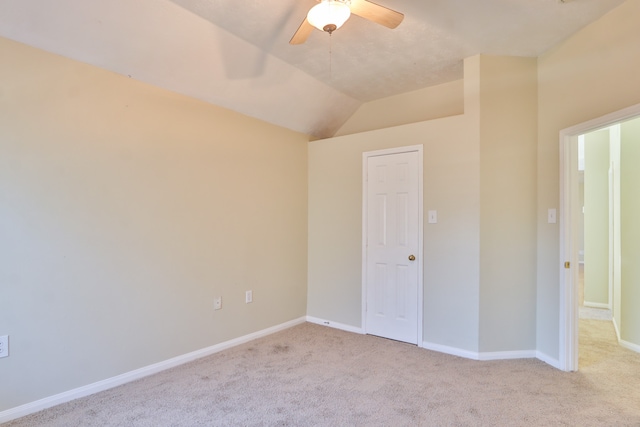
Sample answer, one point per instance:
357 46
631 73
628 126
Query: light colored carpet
311 375
595 313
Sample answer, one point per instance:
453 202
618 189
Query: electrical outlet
248 297
217 303
4 345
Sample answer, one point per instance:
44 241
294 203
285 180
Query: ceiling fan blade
376 13
302 33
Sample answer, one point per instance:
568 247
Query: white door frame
568 350
365 157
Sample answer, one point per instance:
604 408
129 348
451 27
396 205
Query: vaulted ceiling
235 53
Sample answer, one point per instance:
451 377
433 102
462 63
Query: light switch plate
432 217
551 216
4 345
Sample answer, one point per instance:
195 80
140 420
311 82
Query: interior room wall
630 232
479 174
124 211
508 132
430 103
593 73
451 247
596 219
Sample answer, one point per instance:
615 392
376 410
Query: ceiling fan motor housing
329 15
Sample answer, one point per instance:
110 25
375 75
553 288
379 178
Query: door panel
392 235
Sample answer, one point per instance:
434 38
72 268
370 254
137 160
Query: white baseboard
626 344
548 359
630 346
501 355
454 351
615 326
67 396
597 305
335 325
506 355
474 355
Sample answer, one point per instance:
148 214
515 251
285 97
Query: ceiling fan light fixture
329 15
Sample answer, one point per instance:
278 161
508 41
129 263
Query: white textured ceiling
235 53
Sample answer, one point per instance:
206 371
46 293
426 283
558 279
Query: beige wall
508 131
430 103
450 247
596 218
124 210
630 232
479 174
593 73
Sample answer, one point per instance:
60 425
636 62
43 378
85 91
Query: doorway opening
600 252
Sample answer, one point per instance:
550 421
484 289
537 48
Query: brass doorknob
412 258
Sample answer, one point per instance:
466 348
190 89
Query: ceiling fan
329 15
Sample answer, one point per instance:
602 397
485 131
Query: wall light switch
4 345
432 217
552 216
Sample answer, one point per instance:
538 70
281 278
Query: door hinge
567 264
